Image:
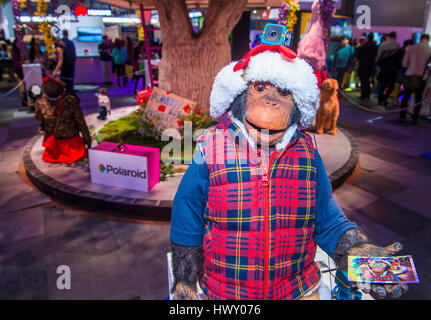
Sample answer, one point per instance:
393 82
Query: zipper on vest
266 196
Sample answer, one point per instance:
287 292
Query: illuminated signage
99 12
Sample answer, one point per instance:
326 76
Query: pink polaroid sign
130 167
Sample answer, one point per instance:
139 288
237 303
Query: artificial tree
191 60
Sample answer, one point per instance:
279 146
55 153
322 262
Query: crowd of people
61 65
122 58
388 70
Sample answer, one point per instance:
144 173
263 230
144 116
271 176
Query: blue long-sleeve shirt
188 223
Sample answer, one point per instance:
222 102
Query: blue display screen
342 27
417 37
89 34
377 37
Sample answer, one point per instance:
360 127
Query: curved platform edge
338 177
146 209
141 209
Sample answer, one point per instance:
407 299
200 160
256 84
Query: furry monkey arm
350 239
187 264
187 229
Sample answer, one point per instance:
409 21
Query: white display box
128 169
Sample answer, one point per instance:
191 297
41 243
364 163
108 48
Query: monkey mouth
264 130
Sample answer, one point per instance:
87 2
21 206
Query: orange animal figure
327 115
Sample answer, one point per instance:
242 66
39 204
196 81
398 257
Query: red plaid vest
259 222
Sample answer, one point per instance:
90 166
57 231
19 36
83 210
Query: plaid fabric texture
235 218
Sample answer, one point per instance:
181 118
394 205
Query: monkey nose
271 102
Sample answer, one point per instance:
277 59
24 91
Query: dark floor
113 260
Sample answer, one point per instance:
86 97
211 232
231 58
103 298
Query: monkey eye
260 87
283 93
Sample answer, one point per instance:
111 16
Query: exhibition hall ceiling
149 4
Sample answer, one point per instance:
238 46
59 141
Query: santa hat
268 63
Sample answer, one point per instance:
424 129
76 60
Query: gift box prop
126 166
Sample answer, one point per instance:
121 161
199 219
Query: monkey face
268 112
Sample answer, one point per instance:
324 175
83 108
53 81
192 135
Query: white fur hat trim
294 75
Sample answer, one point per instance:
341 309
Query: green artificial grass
118 130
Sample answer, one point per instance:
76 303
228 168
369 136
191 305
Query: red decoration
285 51
179 123
186 108
161 108
144 95
198 111
264 14
80 11
50 78
321 76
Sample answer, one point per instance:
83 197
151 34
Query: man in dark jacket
68 67
366 56
389 62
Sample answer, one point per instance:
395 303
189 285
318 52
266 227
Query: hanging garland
326 10
44 27
287 13
41 7
141 34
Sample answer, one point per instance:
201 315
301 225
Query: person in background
119 56
17 66
359 44
105 58
343 61
32 50
66 58
59 51
350 76
416 61
61 119
104 103
389 63
71 59
366 56
389 44
401 70
138 74
130 49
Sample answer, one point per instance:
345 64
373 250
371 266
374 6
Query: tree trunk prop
191 61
